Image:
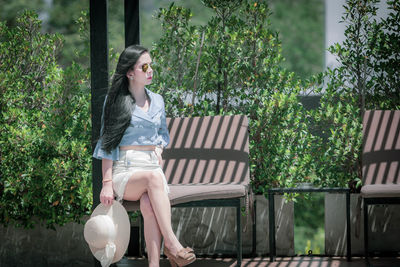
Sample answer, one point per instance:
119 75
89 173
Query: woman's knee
145 206
155 181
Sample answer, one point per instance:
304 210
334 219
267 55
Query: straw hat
107 233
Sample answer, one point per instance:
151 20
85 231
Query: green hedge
232 66
45 150
45 135
368 77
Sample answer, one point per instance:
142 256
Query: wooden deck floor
280 262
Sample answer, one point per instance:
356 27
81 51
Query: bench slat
213 149
381 147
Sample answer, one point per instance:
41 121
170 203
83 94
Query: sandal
184 257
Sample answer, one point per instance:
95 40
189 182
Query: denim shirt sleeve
99 153
163 131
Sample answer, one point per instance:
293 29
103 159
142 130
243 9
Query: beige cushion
380 190
188 193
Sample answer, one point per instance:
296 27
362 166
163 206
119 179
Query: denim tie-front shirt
146 128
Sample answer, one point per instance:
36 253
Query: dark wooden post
132 22
132 36
100 69
99 83
99 79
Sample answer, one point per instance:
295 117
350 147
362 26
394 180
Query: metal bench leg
366 231
239 235
348 232
271 215
254 243
142 240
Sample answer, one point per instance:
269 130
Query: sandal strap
185 253
189 250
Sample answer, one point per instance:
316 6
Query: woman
133 135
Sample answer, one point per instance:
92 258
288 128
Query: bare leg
152 232
152 183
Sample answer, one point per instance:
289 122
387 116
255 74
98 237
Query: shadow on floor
264 262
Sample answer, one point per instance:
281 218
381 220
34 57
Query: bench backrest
212 149
381 147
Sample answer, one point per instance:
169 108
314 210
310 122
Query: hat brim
122 225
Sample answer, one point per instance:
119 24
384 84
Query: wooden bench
207 164
380 162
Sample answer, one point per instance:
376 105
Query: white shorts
131 161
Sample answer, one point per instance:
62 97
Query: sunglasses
145 67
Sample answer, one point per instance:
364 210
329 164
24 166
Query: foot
183 257
173 248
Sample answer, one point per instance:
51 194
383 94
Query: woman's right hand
107 194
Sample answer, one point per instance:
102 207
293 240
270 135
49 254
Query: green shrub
45 166
367 78
280 143
232 66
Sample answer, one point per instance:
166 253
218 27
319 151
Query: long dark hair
120 103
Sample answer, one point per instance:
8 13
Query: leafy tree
301 35
150 28
174 56
11 9
232 65
45 130
368 77
383 57
62 19
301 29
